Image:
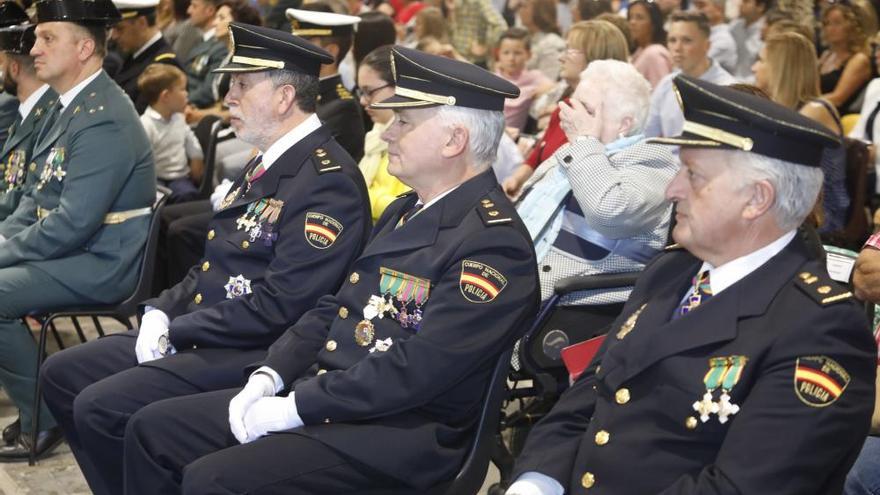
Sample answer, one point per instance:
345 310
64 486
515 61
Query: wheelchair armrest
594 282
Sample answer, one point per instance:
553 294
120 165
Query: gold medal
364 333
230 198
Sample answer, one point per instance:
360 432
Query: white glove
258 386
154 324
535 483
271 414
219 193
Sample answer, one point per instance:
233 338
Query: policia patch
819 380
480 283
321 230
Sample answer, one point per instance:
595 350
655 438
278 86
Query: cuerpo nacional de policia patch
819 380
480 283
321 230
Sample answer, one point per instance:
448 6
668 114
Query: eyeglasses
368 94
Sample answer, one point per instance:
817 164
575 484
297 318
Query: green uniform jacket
16 153
199 67
95 159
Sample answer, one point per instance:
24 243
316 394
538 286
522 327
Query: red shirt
554 137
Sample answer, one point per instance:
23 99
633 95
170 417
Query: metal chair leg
35 415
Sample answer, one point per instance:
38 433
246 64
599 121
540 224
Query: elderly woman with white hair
597 205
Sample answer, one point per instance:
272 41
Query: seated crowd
363 205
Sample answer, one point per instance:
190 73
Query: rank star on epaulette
479 282
819 380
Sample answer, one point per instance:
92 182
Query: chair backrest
206 132
855 231
473 472
145 277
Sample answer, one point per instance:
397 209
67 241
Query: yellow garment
382 186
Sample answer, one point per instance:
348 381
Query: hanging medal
245 222
707 405
230 198
256 229
269 218
726 408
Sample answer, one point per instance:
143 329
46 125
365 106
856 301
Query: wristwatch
165 344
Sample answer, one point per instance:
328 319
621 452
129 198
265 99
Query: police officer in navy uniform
77 237
337 107
139 39
738 366
379 386
286 235
35 98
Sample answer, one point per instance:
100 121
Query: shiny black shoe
47 440
11 432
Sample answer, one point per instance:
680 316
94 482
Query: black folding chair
121 312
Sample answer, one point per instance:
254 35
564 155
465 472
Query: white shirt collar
735 270
207 35
429 203
292 137
153 114
31 101
68 97
156 37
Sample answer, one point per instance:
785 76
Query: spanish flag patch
480 283
321 230
819 380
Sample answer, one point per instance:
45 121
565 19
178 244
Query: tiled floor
58 474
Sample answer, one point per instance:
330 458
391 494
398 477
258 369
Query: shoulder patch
480 283
323 162
819 380
821 288
492 214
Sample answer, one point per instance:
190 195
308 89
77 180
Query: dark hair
621 24
179 7
156 78
375 29
343 42
380 61
658 34
307 87
767 4
516 34
242 12
544 16
697 18
590 9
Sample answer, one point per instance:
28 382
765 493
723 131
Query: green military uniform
77 237
203 59
16 153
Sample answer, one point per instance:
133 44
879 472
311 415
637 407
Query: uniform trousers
26 288
184 445
864 477
93 389
180 245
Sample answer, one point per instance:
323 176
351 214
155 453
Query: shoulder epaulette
91 106
164 56
673 247
343 93
323 163
493 215
821 288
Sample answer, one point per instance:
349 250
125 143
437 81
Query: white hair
796 186
627 93
484 130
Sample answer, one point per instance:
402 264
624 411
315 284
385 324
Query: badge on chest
52 169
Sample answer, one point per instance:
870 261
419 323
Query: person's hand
512 185
154 325
478 49
576 120
192 115
219 193
521 488
271 414
258 386
866 275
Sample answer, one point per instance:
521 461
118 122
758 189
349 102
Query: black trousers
93 389
184 445
182 231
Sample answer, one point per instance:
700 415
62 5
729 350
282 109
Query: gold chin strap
718 135
258 62
421 95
